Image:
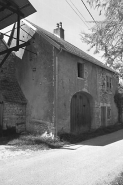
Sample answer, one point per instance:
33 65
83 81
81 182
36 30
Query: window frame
108 115
108 83
80 70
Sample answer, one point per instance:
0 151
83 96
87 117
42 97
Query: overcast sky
50 12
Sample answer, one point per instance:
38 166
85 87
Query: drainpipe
56 91
2 108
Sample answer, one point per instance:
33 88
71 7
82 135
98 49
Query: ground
96 161
7 152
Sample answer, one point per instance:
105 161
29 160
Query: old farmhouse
66 89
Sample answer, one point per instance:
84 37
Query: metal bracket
15 48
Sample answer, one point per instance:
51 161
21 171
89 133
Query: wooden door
103 116
80 113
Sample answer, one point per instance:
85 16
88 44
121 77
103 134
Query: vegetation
30 141
118 98
107 35
38 142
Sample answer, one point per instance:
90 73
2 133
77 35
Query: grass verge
29 141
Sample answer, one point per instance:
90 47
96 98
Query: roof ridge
61 42
55 35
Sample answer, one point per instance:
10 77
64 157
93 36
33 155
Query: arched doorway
80 114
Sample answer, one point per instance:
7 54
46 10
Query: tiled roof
69 47
11 91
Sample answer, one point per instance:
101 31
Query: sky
50 12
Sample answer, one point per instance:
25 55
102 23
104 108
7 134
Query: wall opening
80 113
80 69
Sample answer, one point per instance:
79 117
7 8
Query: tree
107 35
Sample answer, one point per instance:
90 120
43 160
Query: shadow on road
99 141
105 139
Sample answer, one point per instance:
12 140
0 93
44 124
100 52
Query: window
108 83
103 83
103 116
108 112
80 68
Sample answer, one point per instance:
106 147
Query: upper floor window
80 68
108 112
108 83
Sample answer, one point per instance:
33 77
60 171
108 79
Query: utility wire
88 11
78 10
77 13
61 14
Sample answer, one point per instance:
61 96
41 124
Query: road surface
92 162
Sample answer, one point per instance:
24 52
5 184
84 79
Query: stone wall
93 83
105 97
35 75
14 116
14 112
8 68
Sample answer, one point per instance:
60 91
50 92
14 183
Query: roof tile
69 47
11 91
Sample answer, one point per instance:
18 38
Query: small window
108 83
104 84
80 67
108 112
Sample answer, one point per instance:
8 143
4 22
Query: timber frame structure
12 12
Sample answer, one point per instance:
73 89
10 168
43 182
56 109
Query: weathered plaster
93 83
35 74
50 79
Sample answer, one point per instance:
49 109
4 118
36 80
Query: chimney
59 31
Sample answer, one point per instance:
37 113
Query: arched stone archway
81 112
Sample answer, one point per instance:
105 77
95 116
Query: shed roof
9 10
69 47
11 91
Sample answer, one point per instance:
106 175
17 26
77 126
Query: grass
29 141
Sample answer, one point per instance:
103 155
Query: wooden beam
18 31
4 59
15 48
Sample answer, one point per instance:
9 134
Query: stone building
12 99
66 89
